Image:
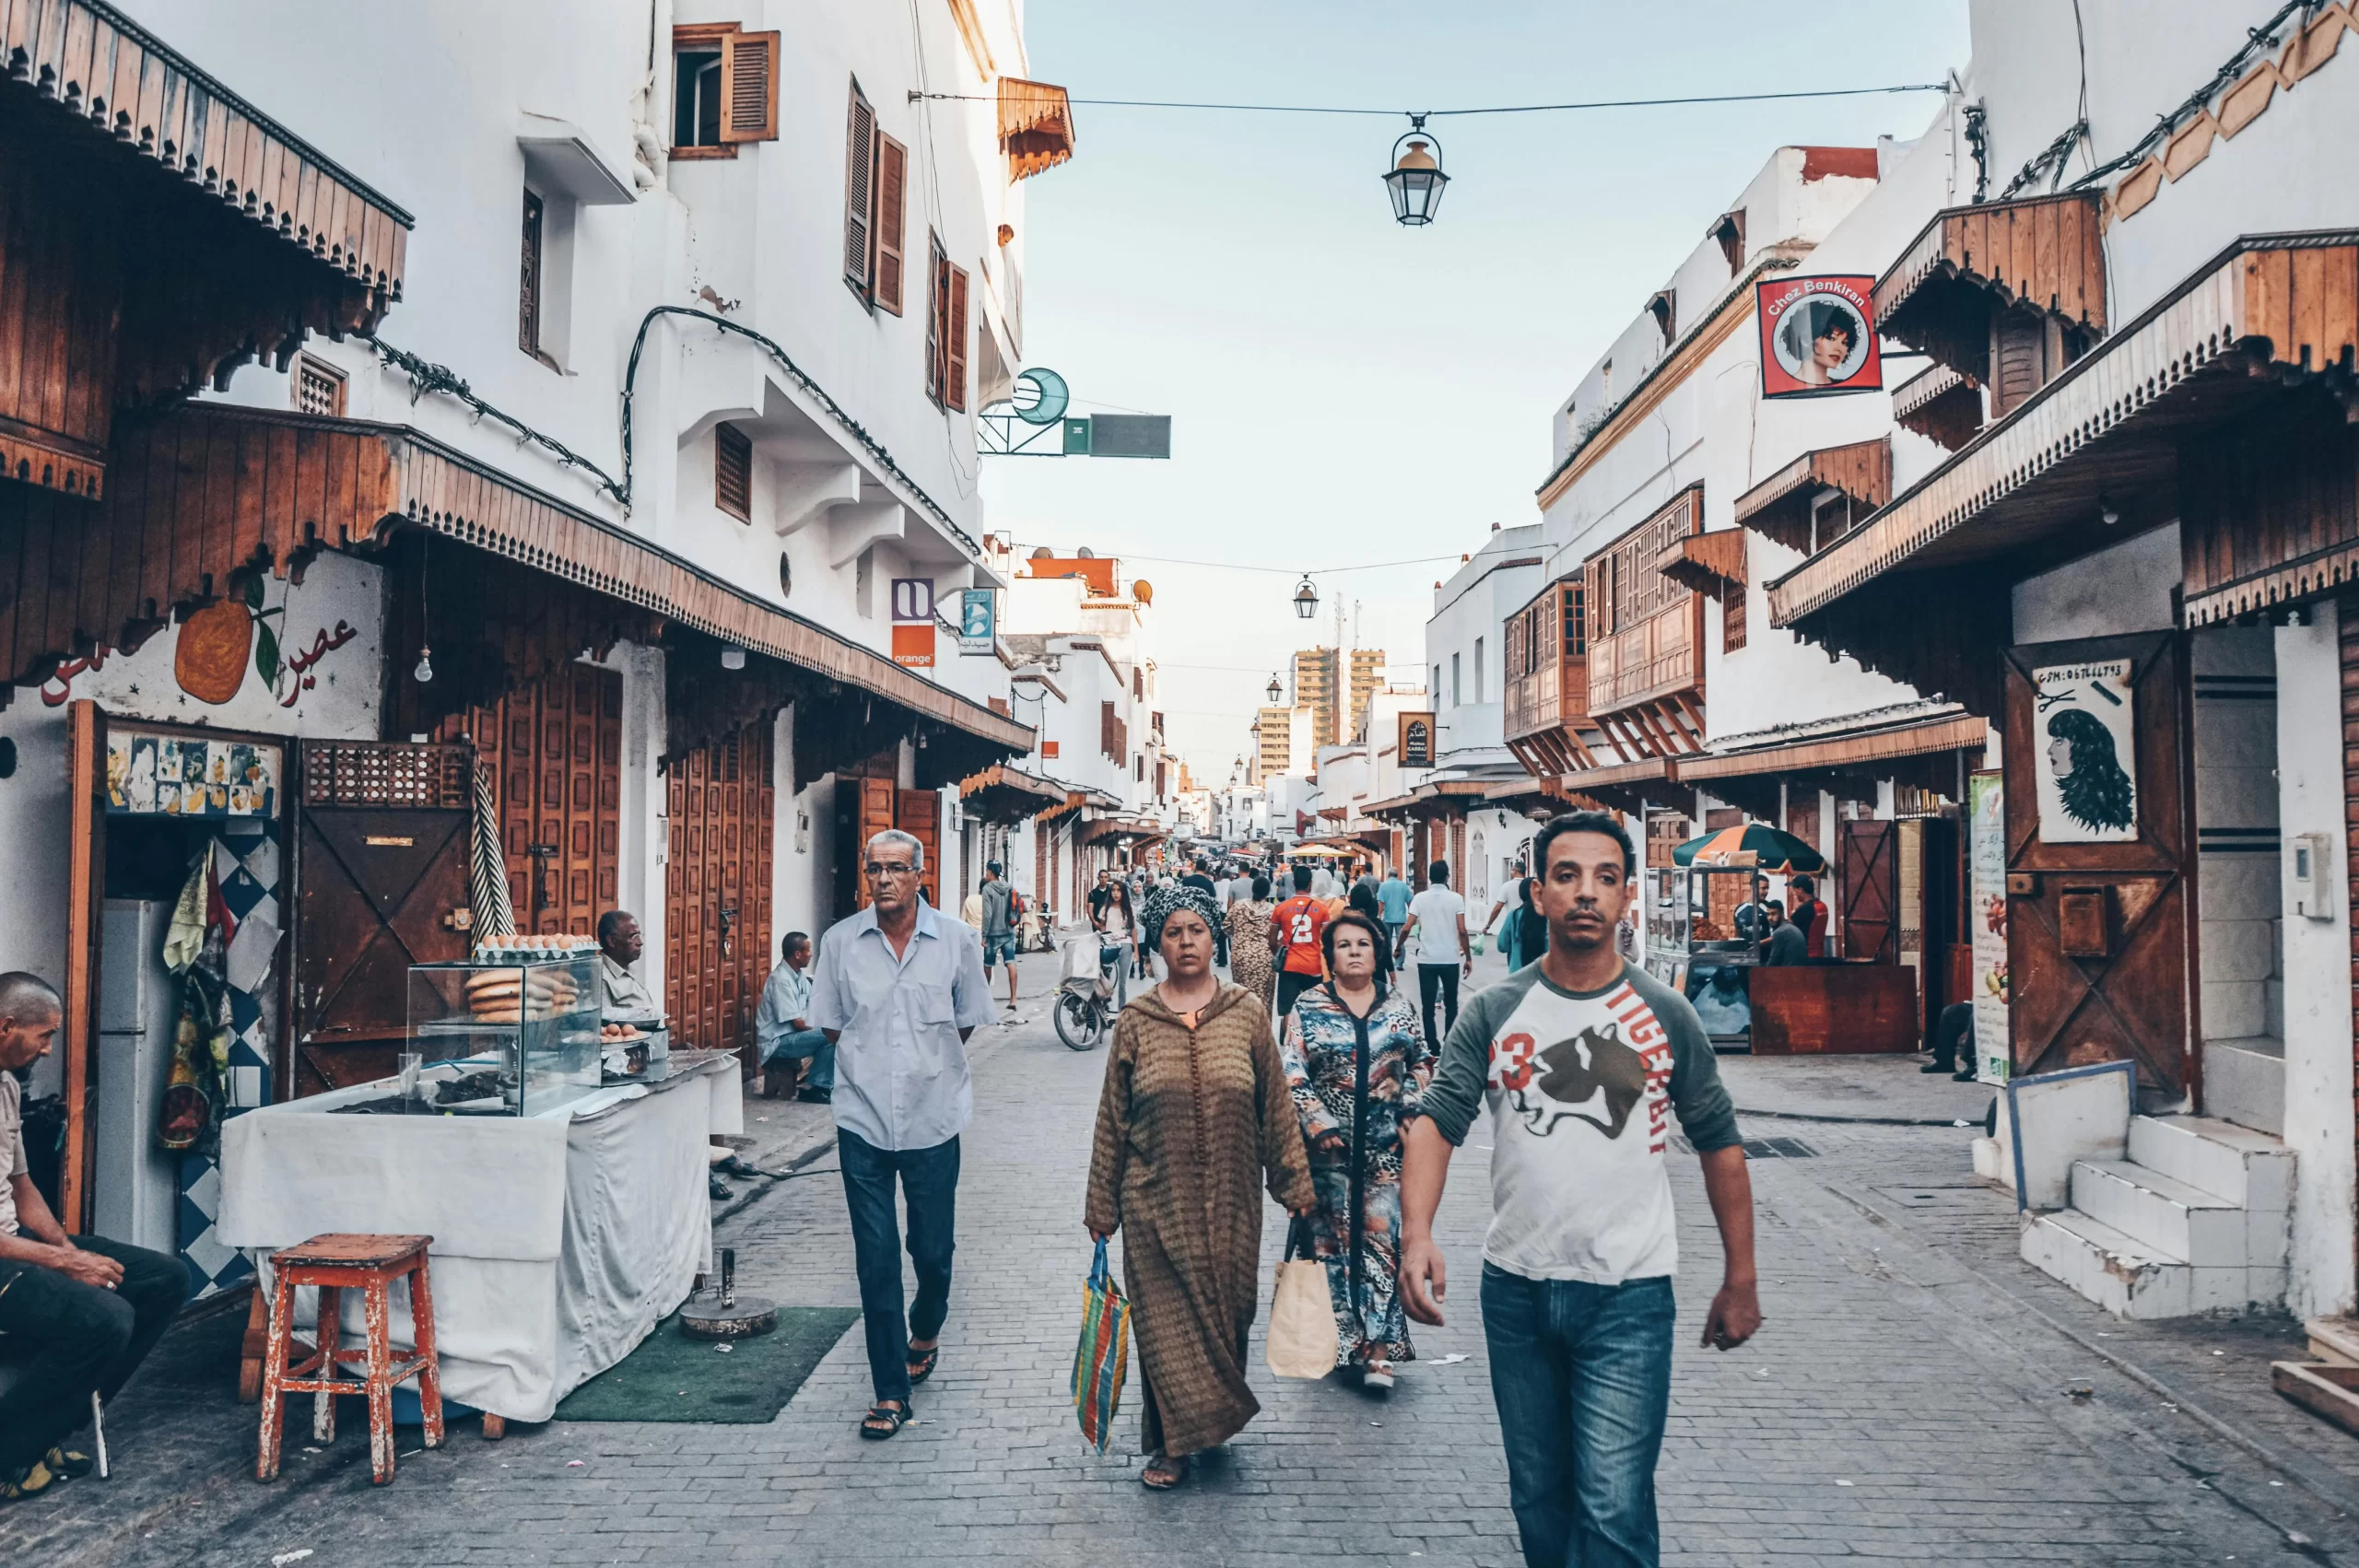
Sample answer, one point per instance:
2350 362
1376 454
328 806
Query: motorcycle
1085 991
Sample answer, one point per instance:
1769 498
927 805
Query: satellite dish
1040 396
1143 591
1085 553
1044 554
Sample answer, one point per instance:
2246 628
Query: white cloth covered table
559 1240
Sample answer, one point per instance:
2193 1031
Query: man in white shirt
1437 919
899 988
1582 1059
620 946
783 1032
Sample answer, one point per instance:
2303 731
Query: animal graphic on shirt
1593 1076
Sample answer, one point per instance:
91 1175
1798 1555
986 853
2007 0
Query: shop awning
1780 506
1001 793
91 62
1971 263
1847 752
1430 799
1941 405
1128 830
211 488
1709 563
1035 126
2103 440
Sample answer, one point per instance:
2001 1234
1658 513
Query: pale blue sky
1343 390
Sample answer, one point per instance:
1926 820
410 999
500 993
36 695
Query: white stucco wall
2317 961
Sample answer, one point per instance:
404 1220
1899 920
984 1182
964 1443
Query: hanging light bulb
732 657
425 671
1415 179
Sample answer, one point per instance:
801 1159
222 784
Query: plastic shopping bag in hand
1103 1355
1302 1315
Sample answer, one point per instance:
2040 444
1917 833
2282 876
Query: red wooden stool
334 1263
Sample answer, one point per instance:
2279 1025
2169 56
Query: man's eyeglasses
880 868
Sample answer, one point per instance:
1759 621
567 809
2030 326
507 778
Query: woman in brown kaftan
1195 1116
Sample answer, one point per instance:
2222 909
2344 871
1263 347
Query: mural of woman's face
1829 348
2060 756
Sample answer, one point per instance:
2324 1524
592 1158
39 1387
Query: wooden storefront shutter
954 378
859 192
892 212
918 812
749 88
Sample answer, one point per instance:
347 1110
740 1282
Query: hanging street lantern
1306 599
1276 691
1417 178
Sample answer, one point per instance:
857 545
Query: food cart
1692 942
558 1160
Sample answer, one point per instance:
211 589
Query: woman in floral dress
1357 1061
1249 941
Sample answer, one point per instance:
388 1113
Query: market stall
1694 941
560 1170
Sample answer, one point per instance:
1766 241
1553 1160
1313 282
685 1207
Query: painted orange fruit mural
209 661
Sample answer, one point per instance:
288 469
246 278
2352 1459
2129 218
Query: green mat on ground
674 1378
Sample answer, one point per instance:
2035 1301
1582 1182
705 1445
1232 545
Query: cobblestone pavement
1912 1397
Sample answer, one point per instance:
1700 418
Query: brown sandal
1164 1473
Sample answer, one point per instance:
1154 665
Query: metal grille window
732 472
318 387
528 289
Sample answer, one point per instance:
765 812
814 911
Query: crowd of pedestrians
1314 1073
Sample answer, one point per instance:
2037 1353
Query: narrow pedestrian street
1918 1396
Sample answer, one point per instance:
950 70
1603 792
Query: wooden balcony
1546 719
1646 642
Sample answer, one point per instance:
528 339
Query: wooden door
381 878
918 812
723 809
556 754
2099 967
1869 865
86 858
865 808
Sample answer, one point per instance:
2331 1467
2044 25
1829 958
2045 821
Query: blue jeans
998 950
1581 1377
814 1044
929 1179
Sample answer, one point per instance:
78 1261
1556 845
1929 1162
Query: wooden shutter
954 379
918 812
1106 727
748 88
937 304
732 472
859 171
892 207
1733 608
875 816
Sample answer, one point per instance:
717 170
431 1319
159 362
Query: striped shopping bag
1102 1357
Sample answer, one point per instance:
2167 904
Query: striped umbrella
487 867
1773 850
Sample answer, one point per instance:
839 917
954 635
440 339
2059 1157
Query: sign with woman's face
1815 337
2084 734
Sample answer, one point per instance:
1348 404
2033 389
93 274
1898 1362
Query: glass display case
523 1031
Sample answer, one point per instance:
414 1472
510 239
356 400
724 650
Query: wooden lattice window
1732 617
318 387
732 472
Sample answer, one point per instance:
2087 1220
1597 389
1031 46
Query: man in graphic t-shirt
1294 926
1583 1060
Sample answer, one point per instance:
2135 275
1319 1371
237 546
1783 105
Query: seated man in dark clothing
76 1314
1953 1043
1785 945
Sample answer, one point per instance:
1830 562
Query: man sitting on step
77 1314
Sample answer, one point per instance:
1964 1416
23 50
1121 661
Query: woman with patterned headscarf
1195 1120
